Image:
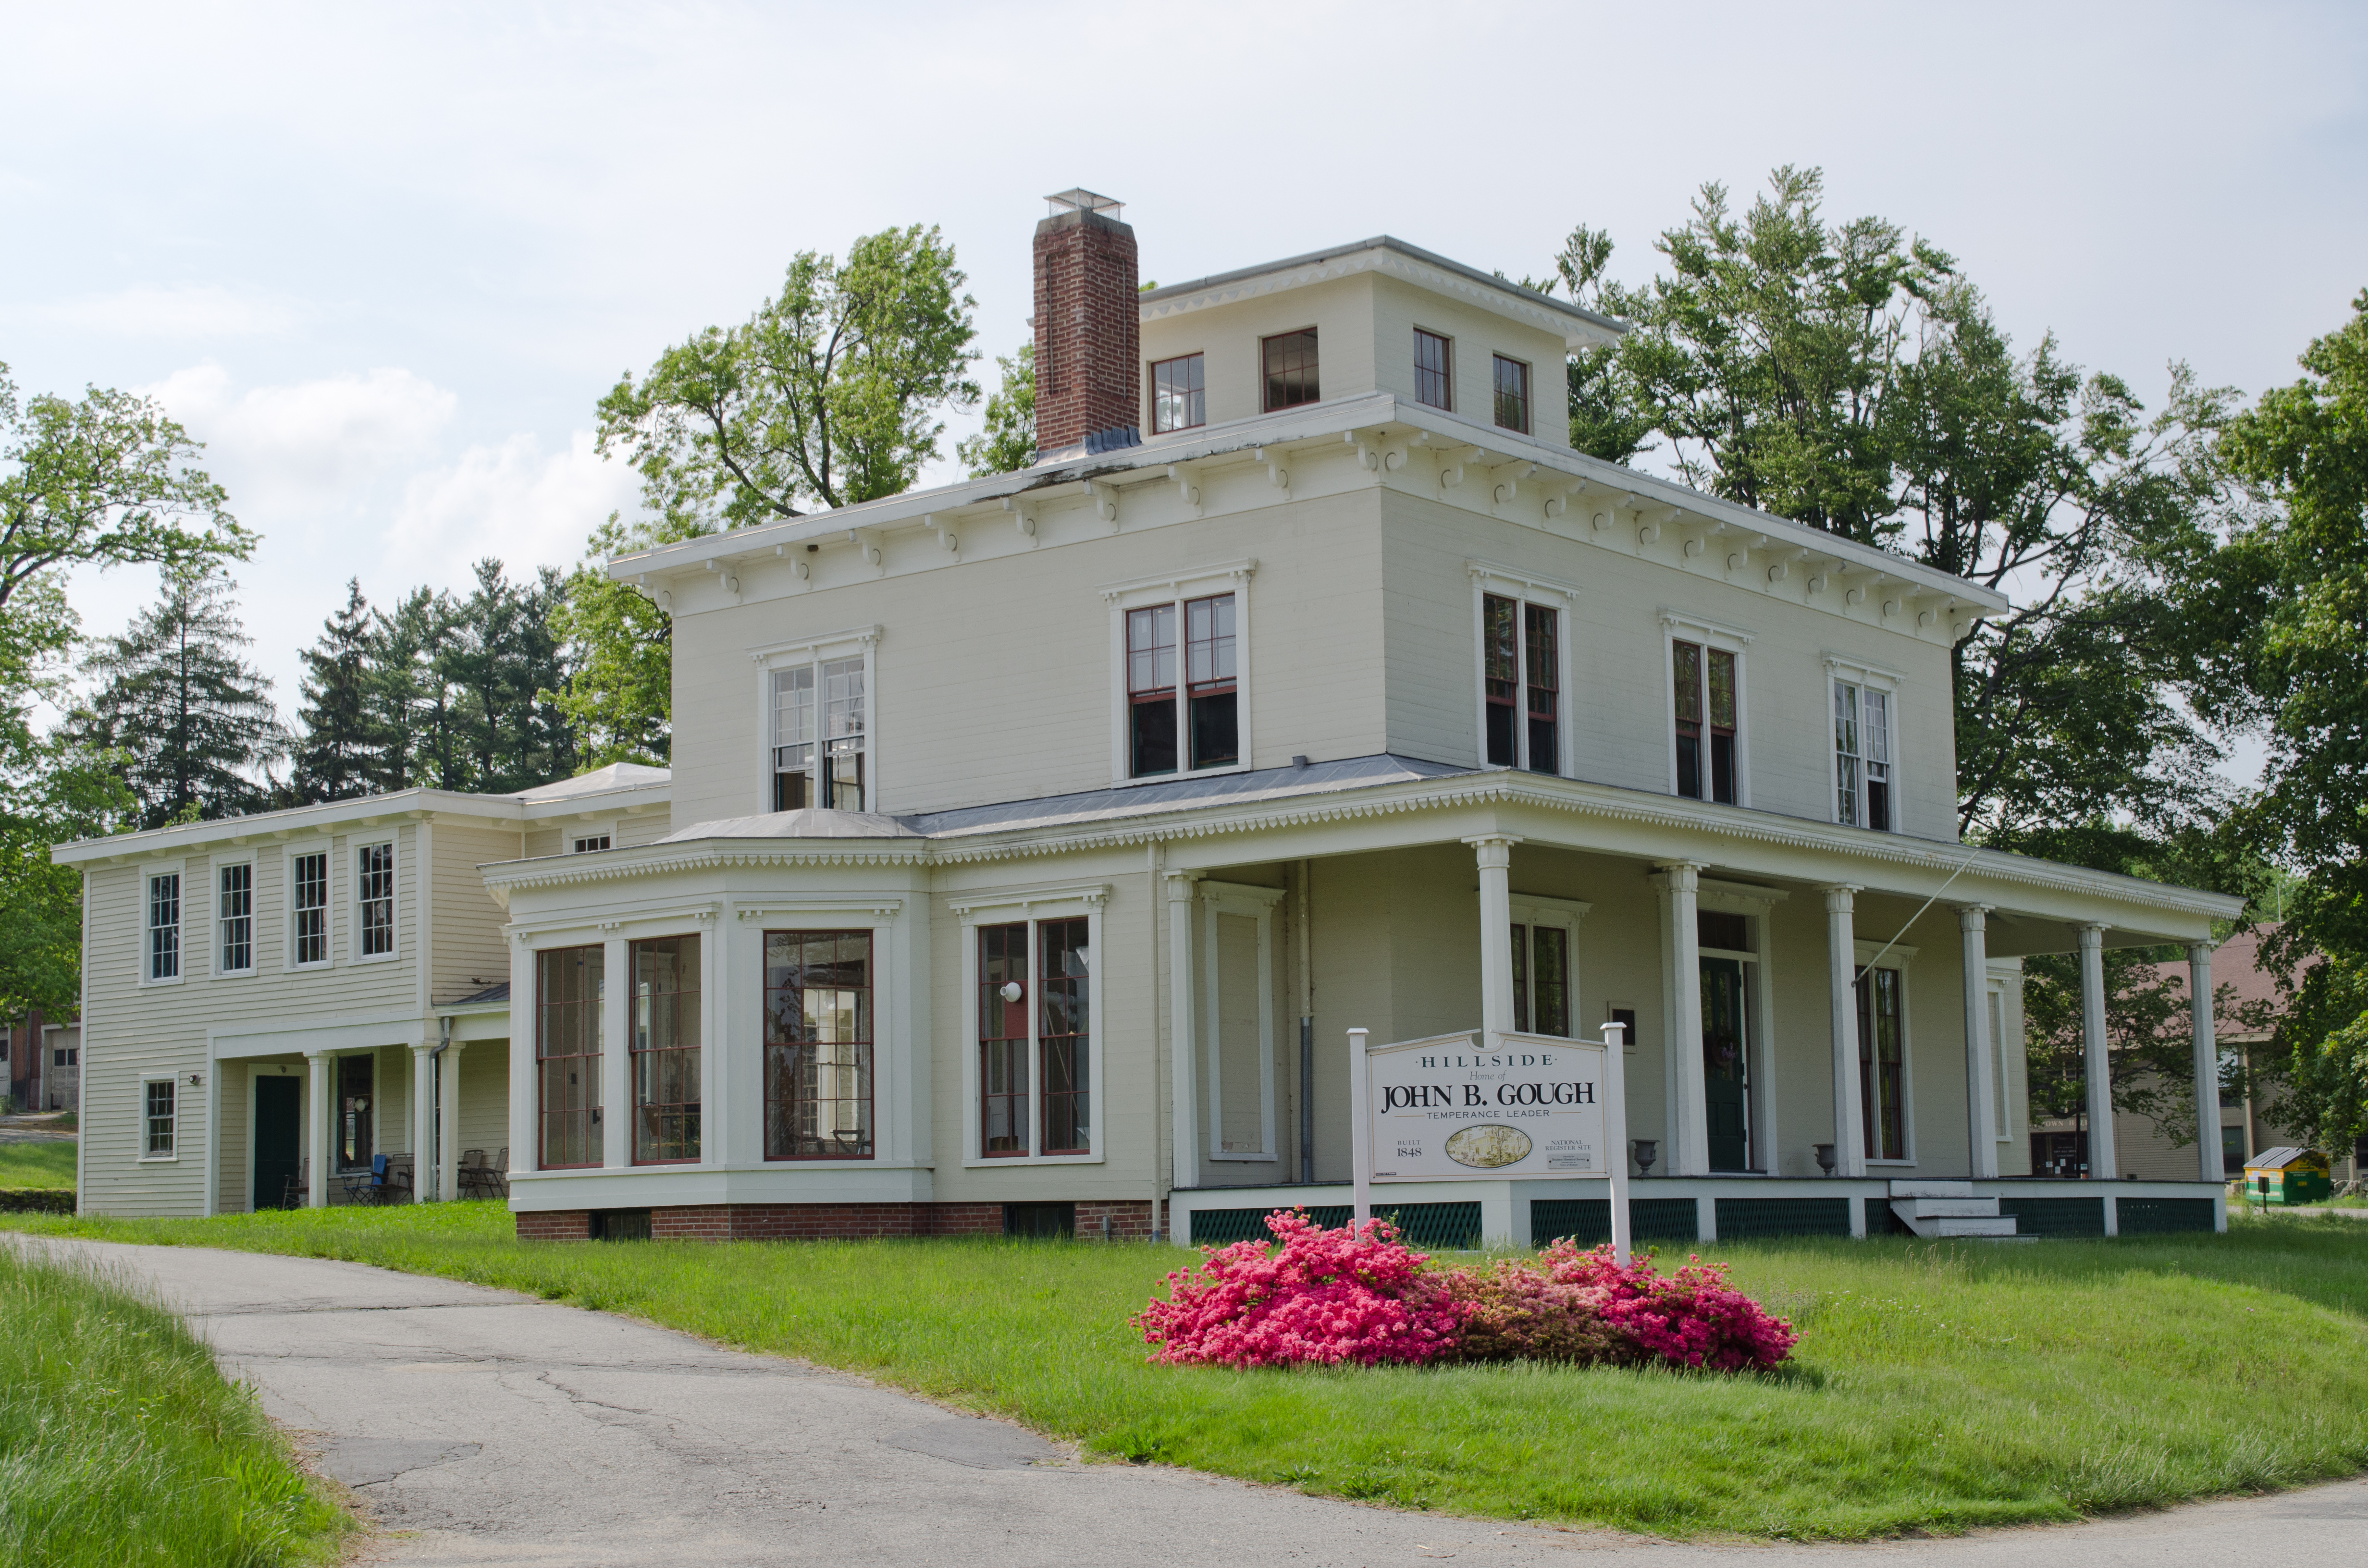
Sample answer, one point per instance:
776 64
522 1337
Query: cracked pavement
481 1426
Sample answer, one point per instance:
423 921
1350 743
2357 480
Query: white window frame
326 846
172 1155
592 840
149 873
861 642
1536 909
1523 587
355 849
1897 956
1033 907
1258 903
1678 627
1225 577
1842 671
254 920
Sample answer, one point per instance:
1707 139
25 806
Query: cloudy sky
383 260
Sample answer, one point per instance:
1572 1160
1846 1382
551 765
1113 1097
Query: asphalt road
487 1428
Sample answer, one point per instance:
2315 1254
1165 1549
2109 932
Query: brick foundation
1131 1220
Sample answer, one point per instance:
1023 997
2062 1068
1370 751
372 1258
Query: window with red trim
569 983
1150 690
1704 683
1003 1041
665 1043
1521 683
1290 371
1063 1035
818 1045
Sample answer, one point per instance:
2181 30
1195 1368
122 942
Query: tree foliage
826 396
188 720
619 696
2288 594
108 480
1008 444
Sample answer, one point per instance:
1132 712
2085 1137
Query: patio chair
370 1186
473 1173
299 1188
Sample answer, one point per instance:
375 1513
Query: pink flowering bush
1322 1296
1361 1295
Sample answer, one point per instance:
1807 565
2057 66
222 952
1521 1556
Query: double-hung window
821 724
160 1118
1706 691
308 908
163 950
1290 371
818 1045
234 917
1178 401
1035 1038
1545 981
374 900
1521 683
569 989
1434 372
1863 752
1184 659
665 1051
1512 387
357 1086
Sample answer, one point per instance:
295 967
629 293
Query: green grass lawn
1936 1386
37 1164
122 1447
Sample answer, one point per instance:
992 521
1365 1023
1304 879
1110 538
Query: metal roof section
1373 418
1364 256
490 996
1124 801
814 822
617 776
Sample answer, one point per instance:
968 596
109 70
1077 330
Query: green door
279 1113
1723 1064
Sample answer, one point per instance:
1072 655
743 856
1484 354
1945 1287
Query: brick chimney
1088 326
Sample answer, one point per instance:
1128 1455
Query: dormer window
1177 399
1434 378
1512 394
1291 374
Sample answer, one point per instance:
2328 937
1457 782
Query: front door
278 1115
1723 1041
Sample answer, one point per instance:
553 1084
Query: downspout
1306 1036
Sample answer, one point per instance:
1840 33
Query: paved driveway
488 1428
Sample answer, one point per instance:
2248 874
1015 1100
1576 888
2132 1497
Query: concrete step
1946 1208
1932 1189
1984 1219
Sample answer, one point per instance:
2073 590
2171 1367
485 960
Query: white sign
1443 1110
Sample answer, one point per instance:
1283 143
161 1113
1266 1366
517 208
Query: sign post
1360 1131
1615 1133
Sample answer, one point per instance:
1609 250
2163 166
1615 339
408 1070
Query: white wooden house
1032 842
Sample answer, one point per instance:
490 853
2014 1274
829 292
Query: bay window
570 985
1003 1041
818 1045
665 1043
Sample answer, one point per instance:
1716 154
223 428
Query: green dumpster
2287 1176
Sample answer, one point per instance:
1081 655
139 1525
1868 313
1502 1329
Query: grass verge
121 1446
1937 1385
37 1164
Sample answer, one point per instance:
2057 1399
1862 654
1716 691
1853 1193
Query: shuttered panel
1240 1077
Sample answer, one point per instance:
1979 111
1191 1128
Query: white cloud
179 310
514 501
309 444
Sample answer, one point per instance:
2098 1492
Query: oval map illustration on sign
1488 1148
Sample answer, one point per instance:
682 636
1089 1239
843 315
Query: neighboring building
1034 840
41 1063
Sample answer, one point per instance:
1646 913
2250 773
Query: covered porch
1824 1024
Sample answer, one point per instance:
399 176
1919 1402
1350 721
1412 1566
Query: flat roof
1389 243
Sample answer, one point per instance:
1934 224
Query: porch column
448 1124
2210 1166
1681 962
1184 1049
2103 1164
1981 1103
1841 949
616 1118
1494 852
318 1158
424 1187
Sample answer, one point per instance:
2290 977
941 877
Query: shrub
1359 1295
1322 1296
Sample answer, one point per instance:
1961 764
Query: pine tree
342 752
189 722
